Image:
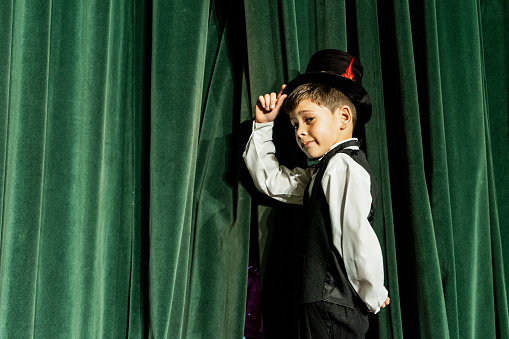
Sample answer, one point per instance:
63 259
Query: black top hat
340 70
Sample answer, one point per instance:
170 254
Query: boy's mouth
307 144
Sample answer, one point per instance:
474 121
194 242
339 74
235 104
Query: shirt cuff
263 131
260 125
381 300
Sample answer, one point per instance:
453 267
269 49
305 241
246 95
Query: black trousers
323 320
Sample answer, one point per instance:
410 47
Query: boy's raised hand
269 105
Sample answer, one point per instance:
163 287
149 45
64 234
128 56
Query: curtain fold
177 63
406 117
199 214
68 168
125 206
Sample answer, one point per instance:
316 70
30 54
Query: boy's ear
345 116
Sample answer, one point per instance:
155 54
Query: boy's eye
296 126
308 120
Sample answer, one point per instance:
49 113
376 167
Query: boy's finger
281 91
280 100
267 101
273 99
261 100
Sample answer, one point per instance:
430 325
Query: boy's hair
319 94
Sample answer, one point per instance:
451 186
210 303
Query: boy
338 260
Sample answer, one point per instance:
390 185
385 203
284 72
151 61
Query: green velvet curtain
125 208
70 107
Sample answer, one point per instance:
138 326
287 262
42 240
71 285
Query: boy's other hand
387 302
269 105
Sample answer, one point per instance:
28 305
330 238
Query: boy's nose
301 131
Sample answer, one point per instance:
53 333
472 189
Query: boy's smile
316 128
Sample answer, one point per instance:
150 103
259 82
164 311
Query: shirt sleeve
269 177
347 188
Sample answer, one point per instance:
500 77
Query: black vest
321 273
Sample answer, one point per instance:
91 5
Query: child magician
337 257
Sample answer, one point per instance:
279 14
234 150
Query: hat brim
355 92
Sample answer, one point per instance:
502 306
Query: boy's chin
313 155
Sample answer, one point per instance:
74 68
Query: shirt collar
339 143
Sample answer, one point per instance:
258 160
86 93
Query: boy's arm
269 177
347 188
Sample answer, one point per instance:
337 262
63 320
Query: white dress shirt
347 188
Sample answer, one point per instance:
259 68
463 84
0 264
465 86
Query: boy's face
316 128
